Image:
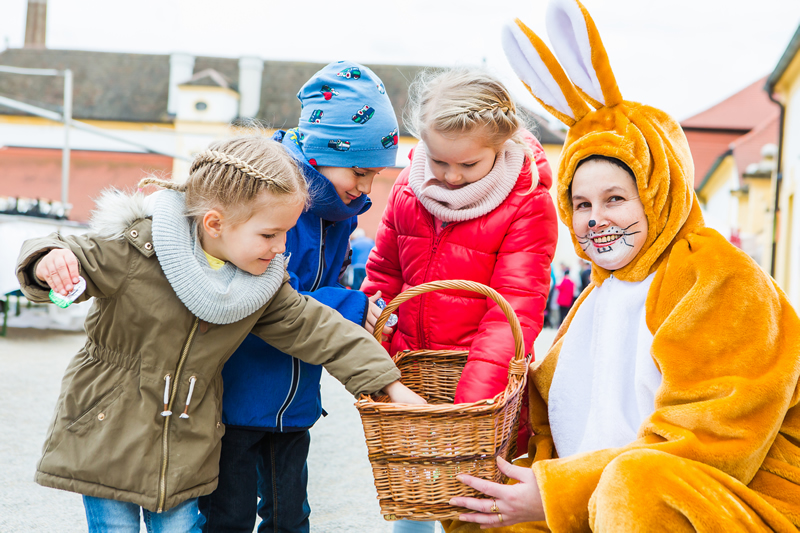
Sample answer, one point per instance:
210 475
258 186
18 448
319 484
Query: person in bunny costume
669 399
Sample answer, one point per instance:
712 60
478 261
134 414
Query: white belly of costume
605 382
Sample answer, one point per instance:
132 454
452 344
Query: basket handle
518 364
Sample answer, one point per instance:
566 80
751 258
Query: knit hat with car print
346 118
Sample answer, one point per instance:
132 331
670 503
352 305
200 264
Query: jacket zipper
436 240
318 279
292 393
295 362
162 482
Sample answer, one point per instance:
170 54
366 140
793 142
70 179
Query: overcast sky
679 55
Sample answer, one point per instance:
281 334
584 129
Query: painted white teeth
605 239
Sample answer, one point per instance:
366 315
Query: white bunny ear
539 70
578 46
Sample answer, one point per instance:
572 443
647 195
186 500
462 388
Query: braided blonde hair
465 100
231 176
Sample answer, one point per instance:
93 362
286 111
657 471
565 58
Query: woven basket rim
517 365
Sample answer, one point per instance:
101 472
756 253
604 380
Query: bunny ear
539 70
577 43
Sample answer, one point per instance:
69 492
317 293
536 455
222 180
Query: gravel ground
341 489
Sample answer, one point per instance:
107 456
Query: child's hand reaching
372 316
399 393
59 269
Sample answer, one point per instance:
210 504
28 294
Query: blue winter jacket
265 388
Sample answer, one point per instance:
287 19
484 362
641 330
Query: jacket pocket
97 413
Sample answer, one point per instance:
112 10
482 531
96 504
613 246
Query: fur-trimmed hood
116 210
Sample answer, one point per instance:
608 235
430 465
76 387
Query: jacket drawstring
185 413
166 411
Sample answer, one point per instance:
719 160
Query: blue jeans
270 466
111 516
412 526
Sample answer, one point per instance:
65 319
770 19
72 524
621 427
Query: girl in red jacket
470 206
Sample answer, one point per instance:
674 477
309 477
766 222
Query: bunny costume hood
705 429
646 139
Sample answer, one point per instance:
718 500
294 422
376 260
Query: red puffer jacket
509 249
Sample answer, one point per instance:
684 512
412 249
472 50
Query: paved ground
341 489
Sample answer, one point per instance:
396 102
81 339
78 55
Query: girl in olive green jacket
179 279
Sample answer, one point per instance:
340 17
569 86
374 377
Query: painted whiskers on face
605 240
602 191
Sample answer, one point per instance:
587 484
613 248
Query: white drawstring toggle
185 413
166 411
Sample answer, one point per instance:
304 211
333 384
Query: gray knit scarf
219 296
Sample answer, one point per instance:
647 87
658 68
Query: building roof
126 87
135 87
706 148
742 111
717 131
784 62
209 78
747 148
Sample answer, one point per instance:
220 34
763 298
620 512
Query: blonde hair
232 174
465 100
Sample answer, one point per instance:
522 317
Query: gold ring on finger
494 508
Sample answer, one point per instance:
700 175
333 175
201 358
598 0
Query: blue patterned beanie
346 119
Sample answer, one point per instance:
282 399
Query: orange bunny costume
719 447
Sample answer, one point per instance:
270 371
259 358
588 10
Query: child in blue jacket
347 134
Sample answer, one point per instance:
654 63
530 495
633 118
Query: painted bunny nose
592 223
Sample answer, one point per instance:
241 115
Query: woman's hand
509 504
399 393
59 269
372 316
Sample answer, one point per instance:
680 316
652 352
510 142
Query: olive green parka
111 436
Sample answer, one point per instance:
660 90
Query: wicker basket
416 451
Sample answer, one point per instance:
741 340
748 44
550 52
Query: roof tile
742 111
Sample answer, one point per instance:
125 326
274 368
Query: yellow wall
744 209
783 270
790 77
724 172
105 124
553 153
787 90
754 205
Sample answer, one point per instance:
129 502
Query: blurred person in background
361 245
566 294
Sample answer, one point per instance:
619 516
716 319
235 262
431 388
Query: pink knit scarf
473 200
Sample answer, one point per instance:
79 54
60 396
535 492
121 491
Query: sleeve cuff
390 376
32 287
366 311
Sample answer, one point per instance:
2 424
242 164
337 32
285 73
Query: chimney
181 68
250 69
36 24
